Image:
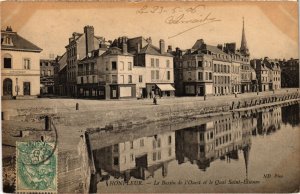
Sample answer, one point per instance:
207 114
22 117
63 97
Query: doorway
26 88
7 87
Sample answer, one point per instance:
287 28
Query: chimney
138 48
89 39
8 29
220 46
124 48
169 49
230 47
149 40
162 46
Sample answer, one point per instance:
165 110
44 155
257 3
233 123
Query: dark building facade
290 73
47 76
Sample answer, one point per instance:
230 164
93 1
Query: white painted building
20 66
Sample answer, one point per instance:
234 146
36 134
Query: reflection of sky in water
227 148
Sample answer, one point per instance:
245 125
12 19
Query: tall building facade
197 72
20 69
80 45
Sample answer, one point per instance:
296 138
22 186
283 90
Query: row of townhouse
212 70
134 67
268 74
123 68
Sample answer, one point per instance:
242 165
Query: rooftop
11 40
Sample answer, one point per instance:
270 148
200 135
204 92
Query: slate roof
115 51
153 50
19 43
62 61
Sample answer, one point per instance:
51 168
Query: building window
168 75
152 62
201 148
168 63
121 65
206 75
158 143
122 79
94 79
200 75
140 78
142 142
169 140
114 78
159 155
199 63
129 78
170 151
116 161
49 72
131 145
201 137
154 156
26 63
7 41
116 148
131 157
81 79
106 64
152 74
129 66
157 62
210 76
157 74
114 65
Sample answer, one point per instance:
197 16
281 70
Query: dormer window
7 41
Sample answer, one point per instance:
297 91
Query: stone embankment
74 160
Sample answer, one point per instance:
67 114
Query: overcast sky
271 28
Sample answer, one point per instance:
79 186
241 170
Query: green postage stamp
36 167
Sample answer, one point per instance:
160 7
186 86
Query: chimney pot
162 46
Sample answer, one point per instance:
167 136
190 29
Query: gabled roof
215 49
153 50
18 43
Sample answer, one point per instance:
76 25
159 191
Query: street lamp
17 87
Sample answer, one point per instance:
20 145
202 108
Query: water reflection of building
205 143
291 114
139 158
269 121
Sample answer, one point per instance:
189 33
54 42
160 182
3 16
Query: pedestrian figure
154 100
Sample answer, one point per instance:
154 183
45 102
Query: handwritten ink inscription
197 15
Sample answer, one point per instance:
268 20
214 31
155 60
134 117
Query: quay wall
154 113
135 115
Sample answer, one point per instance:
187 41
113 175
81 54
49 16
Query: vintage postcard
150 97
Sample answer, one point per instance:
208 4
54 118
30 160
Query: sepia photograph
150 97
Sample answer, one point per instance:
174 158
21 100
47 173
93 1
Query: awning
165 87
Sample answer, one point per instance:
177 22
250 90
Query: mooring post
47 123
77 106
204 97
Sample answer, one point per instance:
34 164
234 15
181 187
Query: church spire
244 48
